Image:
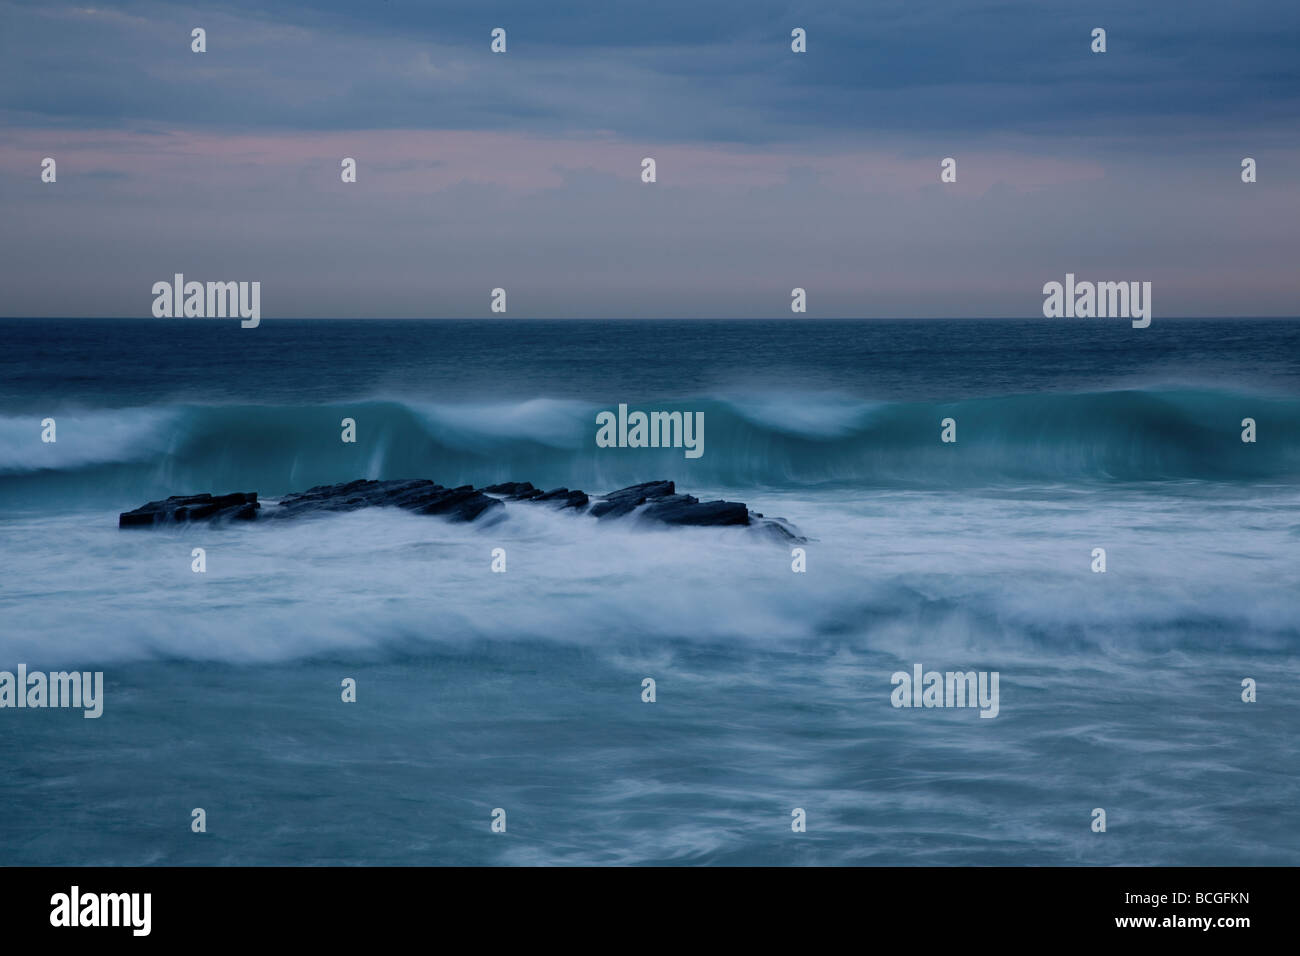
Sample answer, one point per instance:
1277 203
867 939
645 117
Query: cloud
523 170
674 71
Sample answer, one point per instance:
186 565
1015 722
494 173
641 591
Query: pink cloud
423 161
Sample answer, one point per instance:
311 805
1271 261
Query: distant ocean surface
522 690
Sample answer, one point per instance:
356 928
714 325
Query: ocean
522 690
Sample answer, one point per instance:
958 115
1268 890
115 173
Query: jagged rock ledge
656 501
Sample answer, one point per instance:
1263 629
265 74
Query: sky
775 170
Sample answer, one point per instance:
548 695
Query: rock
652 501
625 500
240 506
565 498
776 528
525 491
687 509
662 503
418 494
659 501
514 490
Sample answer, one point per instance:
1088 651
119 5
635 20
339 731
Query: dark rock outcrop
564 498
625 500
417 494
239 506
662 503
525 491
514 490
687 509
655 501
659 501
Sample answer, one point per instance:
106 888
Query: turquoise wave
771 440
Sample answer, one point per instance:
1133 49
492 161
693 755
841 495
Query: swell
778 441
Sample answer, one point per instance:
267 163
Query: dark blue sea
522 690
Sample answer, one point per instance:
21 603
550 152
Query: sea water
523 691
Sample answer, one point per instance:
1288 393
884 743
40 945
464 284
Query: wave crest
768 441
